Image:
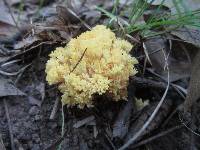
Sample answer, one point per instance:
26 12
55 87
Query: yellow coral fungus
96 62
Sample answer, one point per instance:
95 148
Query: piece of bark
2 147
121 125
83 122
194 85
146 112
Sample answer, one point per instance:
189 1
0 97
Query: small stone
37 117
36 138
30 144
23 136
35 147
34 110
52 125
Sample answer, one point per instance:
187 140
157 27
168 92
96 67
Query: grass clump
158 24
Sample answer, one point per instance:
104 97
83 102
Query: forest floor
166 39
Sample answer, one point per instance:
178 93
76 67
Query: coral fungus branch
104 69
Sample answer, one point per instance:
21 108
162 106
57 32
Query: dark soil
32 129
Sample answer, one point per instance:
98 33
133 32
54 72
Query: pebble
34 110
52 125
36 138
35 147
37 117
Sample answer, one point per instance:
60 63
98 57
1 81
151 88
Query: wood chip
83 122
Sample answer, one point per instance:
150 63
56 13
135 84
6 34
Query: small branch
56 143
55 109
110 141
170 117
132 38
143 82
9 125
11 13
78 61
75 15
146 53
175 87
143 56
2 146
189 128
138 134
14 73
18 144
150 139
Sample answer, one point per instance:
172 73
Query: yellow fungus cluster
96 62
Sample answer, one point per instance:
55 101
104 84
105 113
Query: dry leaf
188 35
2 147
141 103
194 85
121 125
8 89
83 122
158 51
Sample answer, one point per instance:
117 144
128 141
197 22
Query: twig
56 143
10 62
75 15
14 73
78 61
170 116
63 121
187 127
21 72
29 49
9 125
150 139
11 13
144 66
179 88
111 143
55 109
18 144
134 138
63 127
139 57
171 84
132 38
143 82
60 27
44 42
146 53
2 146
8 73
84 121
